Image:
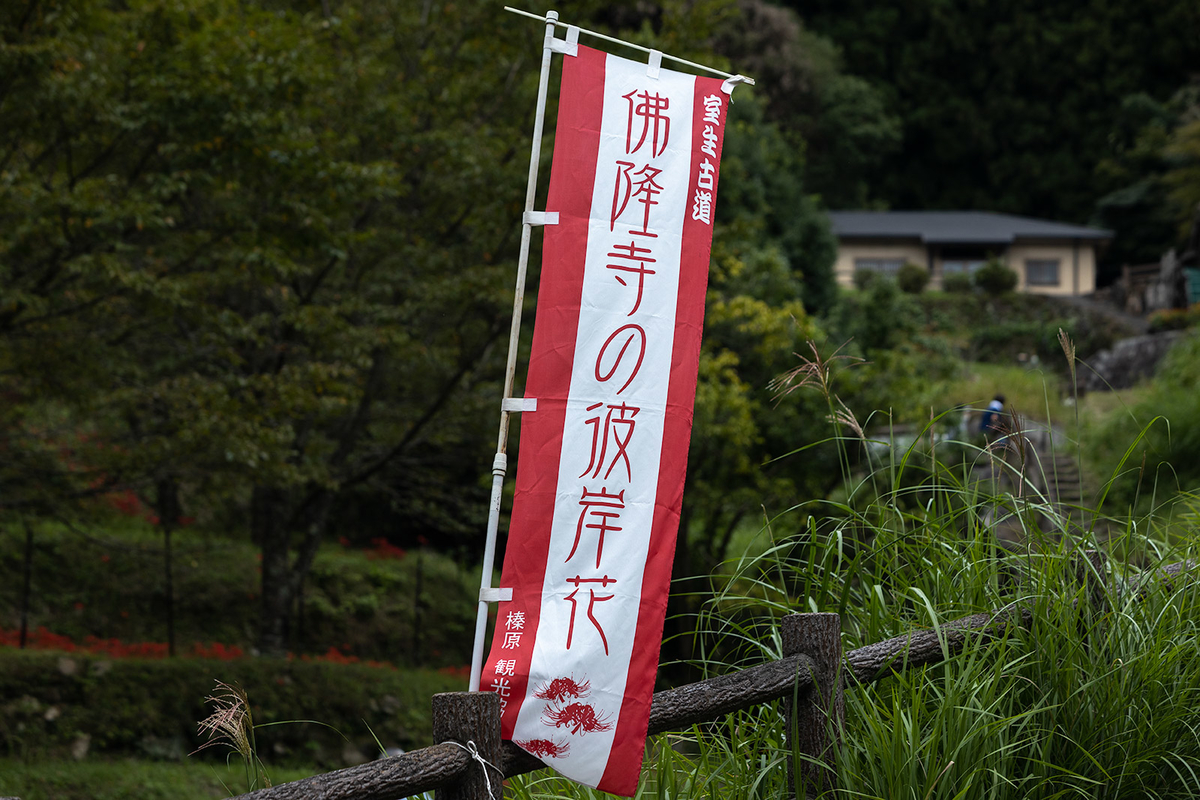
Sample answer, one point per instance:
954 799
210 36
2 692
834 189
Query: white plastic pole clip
490 595
540 218
515 405
729 84
568 46
654 64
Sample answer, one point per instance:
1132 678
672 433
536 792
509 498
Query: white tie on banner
613 372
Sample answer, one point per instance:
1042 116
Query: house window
888 266
1041 272
965 266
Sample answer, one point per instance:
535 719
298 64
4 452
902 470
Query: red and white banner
600 476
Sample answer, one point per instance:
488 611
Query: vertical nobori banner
613 367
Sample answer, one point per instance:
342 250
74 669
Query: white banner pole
642 48
500 464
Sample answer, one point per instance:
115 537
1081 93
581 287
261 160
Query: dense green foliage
1152 450
258 258
1017 100
151 707
410 609
957 282
836 119
1153 164
912 278
237 228
995 277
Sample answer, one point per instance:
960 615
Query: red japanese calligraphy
639 256
602 506
621 192
640 186
620 422
593 598
634 332
649 109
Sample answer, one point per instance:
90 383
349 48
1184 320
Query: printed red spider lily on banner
600 477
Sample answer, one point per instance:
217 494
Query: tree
1148 163
834 120
258 259
264 257
1183 178
1015 99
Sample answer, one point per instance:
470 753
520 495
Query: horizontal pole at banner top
614 40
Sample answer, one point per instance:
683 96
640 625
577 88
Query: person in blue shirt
992 420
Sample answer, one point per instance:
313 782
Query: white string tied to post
473 751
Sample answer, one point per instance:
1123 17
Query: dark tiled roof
954 227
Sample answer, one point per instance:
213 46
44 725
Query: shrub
995 278
865 278
913 278
1175 319
374 603
1165 430
152 706
878 318
957 282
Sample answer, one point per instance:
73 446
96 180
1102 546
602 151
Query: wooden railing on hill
471 761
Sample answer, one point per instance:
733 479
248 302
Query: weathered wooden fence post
818 636
472 719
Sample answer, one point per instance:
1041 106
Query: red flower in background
43 639
126 502
384 549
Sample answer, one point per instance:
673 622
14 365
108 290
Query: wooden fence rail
810 671
446 763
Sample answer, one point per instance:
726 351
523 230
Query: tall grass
1097 697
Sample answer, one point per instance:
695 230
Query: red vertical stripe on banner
621 778
577 137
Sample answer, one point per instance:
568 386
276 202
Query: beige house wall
903 249
1076 266
1076 263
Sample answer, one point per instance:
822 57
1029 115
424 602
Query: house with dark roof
1048 257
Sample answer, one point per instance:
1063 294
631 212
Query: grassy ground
1097 696
126 779
1034 393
